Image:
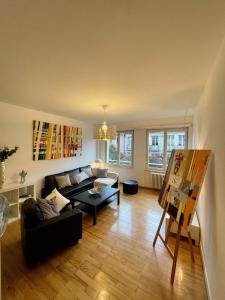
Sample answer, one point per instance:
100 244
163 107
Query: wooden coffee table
94 201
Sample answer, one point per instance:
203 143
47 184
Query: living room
155 72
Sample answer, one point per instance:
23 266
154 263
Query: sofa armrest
113 175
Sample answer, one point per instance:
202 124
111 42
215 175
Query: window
160 145
120 151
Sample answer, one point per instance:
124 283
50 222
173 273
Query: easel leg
175 254
191 247
168 230
160 225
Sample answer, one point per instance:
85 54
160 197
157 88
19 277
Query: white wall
209 132
139 171
16 129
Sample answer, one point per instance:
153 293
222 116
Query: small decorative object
94 191
5 152
23 175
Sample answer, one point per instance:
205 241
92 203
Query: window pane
126 145
112 153
155 149
175 140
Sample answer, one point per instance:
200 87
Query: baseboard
209 295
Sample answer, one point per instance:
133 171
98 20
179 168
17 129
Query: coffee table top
95 200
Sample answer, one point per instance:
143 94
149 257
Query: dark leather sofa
69 191
40 238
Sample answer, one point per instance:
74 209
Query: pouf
130 186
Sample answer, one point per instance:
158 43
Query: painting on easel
179 194
182 184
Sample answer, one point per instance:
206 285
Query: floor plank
114 260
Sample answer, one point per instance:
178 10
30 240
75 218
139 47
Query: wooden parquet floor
114 260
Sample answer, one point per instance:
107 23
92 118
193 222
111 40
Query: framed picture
47 142
72 141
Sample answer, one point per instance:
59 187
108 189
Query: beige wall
209 132
16 129
139 171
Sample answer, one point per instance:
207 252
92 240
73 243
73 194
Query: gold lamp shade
104 132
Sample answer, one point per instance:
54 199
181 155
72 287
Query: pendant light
104 131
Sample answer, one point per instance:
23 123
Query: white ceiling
146 59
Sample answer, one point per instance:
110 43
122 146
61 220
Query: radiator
157 180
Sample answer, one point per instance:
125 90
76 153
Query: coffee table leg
95 215
118 198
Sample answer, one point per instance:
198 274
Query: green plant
6 152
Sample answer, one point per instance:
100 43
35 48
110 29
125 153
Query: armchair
41 238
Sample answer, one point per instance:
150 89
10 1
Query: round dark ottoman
130 186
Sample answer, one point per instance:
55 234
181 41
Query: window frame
165 131
118 147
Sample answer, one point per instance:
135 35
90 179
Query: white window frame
165 130
118 147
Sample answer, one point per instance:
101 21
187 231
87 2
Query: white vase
2 174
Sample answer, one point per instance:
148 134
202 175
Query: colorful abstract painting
47 142
72 141
182 184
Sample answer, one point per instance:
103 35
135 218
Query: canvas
46 141
72 141
182 184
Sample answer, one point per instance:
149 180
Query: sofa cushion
67 208
88 172
50 181
31 213
48 208
72 175
63 180
61 201
84 185
81 177
102 173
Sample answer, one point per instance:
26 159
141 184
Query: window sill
119 166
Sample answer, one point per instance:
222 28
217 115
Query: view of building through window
161 143
120 151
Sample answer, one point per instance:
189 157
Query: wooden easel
175 254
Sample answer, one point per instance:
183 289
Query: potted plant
5 152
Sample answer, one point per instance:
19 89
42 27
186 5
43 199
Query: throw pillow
94 171
73 176
48 208
102 173
60 200
63 181
81 177
88 172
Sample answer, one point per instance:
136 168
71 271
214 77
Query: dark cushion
71 190
84 185
51 182
31 213
67 208
68 190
